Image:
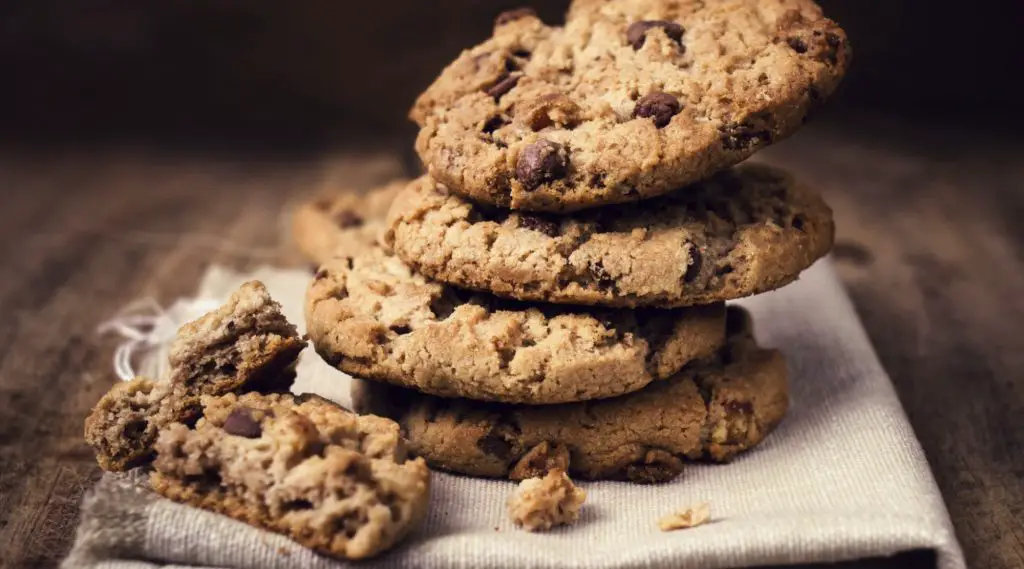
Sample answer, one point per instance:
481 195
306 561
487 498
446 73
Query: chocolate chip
401 329
541 162
693 269
241 423
513 15
494 445
660 107
744 136
833 40
504 84
597 179
347 218
636 33
656 466
320 275
797 44
537 223
494 123
601 276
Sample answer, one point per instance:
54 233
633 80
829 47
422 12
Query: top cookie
747 230
346 221
631 99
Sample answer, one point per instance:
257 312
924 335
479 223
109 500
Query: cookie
247 344
344 220
627 101
372 317
746 230
713 410
300 466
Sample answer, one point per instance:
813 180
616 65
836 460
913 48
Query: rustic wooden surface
931 247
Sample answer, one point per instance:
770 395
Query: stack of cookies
552 293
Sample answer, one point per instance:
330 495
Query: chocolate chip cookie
746 230
628 100
713 410
346 220
300 466
245 345
372 317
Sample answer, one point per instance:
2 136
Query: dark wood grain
931 248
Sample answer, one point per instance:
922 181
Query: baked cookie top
371 316
341 221
714 410
333 481
746 230
629 100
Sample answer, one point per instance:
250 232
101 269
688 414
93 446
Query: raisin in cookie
713 409
345 221
746 230
629 100
372 317
300 466
247 344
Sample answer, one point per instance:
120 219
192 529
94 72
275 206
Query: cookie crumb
542 503
686 518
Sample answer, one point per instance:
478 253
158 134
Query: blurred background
313 71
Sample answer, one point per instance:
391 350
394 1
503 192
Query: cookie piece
710 410
747 230
542 503
627 101
247 341
348 221
247 344
300 466
372 317
124 424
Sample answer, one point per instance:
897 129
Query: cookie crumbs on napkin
542 503
686 518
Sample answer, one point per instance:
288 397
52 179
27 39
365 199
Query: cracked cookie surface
244 345
627 101
344 221
301 466
371 316
746 230
712 409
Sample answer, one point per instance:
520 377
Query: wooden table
930 245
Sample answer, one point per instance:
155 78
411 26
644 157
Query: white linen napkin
843 477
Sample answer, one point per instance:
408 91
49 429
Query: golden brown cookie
710 410
300 466
746 230
372 317
628 100
342 221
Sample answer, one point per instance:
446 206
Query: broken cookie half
227 437
245 345
331 480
